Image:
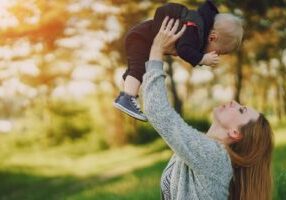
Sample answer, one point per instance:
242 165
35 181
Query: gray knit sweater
202 168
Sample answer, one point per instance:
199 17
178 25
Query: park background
60 67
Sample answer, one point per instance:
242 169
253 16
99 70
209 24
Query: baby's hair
230 30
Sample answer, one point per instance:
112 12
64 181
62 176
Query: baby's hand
210 59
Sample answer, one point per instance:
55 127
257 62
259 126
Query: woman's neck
218 133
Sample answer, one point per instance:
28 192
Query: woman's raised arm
198 151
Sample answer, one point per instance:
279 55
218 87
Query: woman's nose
231 103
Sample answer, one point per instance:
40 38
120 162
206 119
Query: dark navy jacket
190 47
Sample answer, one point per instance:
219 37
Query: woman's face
233 115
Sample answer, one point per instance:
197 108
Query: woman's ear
234 135
213 36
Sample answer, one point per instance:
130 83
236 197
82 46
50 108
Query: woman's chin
216 112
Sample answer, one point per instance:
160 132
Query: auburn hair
251 160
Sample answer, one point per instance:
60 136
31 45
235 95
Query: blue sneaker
128 104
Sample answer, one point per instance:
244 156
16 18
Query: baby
208 34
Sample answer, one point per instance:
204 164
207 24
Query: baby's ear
213 36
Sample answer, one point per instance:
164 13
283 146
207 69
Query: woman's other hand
164 42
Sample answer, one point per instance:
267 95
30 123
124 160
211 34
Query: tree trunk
282 84
238 83
278 103
117 121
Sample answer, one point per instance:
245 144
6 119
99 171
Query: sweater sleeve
188 46
198 151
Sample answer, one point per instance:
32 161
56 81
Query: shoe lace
134 102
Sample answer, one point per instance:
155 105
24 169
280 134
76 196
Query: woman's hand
164 42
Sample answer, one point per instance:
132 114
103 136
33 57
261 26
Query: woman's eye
241 110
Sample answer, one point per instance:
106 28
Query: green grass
126 173
279 165
130 172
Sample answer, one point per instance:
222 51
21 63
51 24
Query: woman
231 161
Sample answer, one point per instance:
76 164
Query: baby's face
215 46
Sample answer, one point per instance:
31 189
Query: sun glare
14 13
7 19
7 3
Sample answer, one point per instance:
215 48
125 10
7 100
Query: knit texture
165 182
202 168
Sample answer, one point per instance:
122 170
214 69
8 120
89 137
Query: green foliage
56 123
144 133
280 183
280 124
278 165
254 6
68 121
202 123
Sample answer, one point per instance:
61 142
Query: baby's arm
211 59
188 49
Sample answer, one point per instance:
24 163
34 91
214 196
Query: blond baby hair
230 31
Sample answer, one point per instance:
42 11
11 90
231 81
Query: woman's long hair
251 160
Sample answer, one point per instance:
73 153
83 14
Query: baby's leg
131 86
137 50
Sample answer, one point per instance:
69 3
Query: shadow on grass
141 184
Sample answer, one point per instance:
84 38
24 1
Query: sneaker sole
134 115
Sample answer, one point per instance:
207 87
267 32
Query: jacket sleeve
197 150
188 46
